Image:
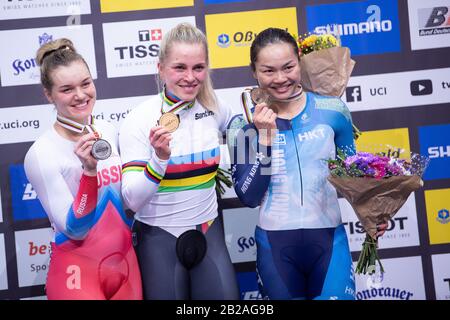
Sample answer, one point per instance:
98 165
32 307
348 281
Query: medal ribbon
174 103
76 126
295 96
248 104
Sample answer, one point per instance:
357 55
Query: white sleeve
52 190
226 113
142 170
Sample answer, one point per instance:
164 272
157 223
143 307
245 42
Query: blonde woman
170 150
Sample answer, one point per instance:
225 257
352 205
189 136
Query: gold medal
169 121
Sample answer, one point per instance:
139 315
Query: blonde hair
53 54
187 33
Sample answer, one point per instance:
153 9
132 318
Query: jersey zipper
298 161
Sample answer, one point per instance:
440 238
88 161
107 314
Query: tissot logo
353 94
448 282
397 223
139 51
150 35
421 87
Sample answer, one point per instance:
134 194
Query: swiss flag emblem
156 34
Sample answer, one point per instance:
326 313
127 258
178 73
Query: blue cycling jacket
289 179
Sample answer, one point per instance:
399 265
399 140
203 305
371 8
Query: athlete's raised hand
160 139
264 120
83 148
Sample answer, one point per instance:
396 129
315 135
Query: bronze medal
259 95
169 121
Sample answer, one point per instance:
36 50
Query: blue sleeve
339 118
343 132
250 168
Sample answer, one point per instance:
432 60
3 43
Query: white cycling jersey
179 192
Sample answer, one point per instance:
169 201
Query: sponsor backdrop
399 95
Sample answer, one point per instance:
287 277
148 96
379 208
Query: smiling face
184 70
277 70
73 91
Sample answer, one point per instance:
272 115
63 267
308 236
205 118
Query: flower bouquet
376 186
325 65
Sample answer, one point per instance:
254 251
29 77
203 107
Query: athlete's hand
83 148
264 120
160 139
381 229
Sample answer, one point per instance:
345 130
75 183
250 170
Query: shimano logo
356 28
439 152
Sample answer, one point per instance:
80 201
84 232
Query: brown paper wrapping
326 71
375 200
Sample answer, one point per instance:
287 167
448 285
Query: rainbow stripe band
188 172
152 175
139 166
177 103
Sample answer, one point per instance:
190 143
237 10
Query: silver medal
101 149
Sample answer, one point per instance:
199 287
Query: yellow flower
309 41
317 42
330 39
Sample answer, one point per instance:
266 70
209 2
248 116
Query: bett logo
421 87
434 21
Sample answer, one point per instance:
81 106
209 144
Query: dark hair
270 36
51 55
